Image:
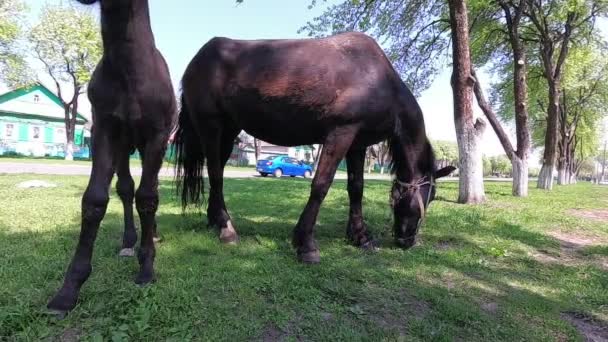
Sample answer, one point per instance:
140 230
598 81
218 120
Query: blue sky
180 30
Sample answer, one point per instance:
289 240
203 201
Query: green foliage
446 151
500 165
497 253
68 42
487 166
414 34
13 68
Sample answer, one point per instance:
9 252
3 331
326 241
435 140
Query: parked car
283 166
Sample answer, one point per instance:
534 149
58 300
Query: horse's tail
189 159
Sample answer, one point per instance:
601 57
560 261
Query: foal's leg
94 204
334 149
219 147
146 202
356 231
125 187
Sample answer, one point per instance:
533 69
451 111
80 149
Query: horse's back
302 85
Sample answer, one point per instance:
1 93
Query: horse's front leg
146 202
356 231
125 187
94 205
334 149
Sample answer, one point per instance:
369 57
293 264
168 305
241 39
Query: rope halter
404 188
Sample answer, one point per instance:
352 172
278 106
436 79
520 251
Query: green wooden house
32 124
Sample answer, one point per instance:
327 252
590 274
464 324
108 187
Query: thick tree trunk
69 150
70 129
468 133
562 174
520 176
545 178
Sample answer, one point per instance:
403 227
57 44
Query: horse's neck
126 28
415 164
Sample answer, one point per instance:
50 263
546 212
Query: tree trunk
70 128
545 178
256 149
520 176
316 163
519 160
562 178
468 132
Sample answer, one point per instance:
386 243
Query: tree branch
489 113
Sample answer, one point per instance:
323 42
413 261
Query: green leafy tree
14 71
446 152
68 43
555 26
487 166
496 39
500 165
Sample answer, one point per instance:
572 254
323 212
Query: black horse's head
410 201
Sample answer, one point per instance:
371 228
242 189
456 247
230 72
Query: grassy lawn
507 270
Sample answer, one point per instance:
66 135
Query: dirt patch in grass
444 245
570 251
576 241
490 307
397 315
70 335
595 214
272 333
591 329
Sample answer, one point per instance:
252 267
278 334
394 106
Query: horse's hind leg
146 202
219 146
94 204
356 231
334 148
125 187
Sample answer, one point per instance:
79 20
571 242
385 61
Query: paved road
166 171
59 169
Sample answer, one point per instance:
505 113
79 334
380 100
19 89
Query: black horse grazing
133 107
339 91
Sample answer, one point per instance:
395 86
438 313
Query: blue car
283 166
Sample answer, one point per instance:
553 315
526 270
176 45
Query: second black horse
340 91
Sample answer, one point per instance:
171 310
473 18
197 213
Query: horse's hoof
58 314
310 257
145 278
157 239
228 234
61 304
127 252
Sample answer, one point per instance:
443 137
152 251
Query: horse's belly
284 132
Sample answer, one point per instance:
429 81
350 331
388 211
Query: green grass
471 278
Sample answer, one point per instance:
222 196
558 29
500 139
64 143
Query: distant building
32 123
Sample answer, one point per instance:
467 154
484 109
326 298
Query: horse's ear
444 172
